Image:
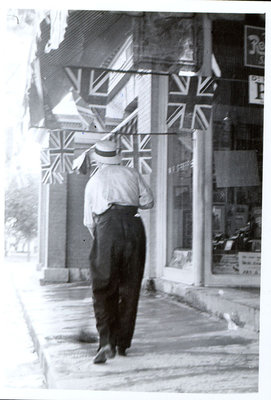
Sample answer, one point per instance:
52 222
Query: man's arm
146 199
88 218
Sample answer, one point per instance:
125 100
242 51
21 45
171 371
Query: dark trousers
117 265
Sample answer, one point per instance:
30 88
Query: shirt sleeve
146 199
88 218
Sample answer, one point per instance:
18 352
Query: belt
129 209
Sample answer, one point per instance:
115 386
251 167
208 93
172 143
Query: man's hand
91 231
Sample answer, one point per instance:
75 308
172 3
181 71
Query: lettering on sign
256 89
249 263
254 46
180 167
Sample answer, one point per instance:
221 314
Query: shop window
237 200
179 212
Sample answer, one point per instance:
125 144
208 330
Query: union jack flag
135 148
84 110
48 174
61 150
93 117
90 83
190 102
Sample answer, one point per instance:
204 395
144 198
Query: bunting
84 110
48 173
93 117
90 83
190 102
135 148
58 157
61 150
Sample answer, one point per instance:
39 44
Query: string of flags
189 107
135 149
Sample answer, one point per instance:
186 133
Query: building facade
205 228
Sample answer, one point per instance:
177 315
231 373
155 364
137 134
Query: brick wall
56 251
78 237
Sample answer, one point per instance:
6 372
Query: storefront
212 222
205 228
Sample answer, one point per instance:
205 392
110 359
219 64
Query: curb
212 301
39 347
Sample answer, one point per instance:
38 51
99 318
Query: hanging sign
254 46
256 89
166 42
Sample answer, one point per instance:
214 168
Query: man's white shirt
114 184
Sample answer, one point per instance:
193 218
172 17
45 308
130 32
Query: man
112 198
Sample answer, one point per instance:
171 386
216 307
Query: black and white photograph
135 142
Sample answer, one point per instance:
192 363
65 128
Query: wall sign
254 46
256 89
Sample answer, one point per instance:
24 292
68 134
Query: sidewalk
175 348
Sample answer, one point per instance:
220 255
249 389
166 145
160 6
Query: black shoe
102 355
121 351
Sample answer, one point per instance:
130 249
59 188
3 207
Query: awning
90 38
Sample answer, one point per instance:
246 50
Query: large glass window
179 227
237 196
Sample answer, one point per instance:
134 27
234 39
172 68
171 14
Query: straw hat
105 152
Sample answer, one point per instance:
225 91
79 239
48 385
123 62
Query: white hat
105 152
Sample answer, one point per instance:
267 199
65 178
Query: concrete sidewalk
175 348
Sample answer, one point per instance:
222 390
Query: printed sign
254 46
180 167
249 263
256 89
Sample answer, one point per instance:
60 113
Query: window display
179 211
237 198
